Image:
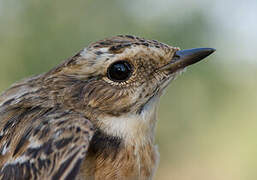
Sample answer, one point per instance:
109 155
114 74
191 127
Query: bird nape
94 115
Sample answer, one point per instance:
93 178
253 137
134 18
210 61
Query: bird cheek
110 106
109 101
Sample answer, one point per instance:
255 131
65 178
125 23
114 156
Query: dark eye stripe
119 71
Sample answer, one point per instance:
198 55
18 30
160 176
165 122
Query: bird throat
124 151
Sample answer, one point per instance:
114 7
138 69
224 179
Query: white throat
136 128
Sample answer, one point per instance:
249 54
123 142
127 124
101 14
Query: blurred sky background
207 127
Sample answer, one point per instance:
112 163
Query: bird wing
40 143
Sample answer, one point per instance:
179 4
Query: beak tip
210 50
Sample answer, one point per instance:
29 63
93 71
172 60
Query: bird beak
184 58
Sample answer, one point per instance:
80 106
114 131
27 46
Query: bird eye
119 71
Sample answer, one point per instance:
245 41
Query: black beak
184 58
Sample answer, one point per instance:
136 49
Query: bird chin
164 84
162 87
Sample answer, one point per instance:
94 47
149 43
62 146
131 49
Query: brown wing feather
42 143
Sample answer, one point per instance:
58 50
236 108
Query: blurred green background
207 127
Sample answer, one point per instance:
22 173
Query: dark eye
119 71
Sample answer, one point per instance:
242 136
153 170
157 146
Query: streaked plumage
75 122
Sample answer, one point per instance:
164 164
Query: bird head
121 80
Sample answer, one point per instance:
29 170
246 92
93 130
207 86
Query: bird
93 116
